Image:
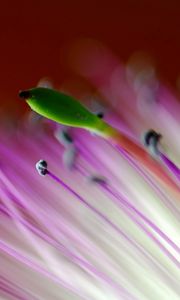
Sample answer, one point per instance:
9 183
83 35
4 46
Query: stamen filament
170 165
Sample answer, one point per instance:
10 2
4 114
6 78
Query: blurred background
39 38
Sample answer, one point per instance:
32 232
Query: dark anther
151 140
100 115
24 94
97 179
41 167
67 137
63 136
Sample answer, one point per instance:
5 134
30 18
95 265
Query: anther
63 137
100 115
41 167
151 140
97 179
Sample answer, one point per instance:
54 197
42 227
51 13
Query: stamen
69 155
151 140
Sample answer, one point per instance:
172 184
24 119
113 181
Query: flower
95 225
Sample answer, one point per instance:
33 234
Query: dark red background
32 34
